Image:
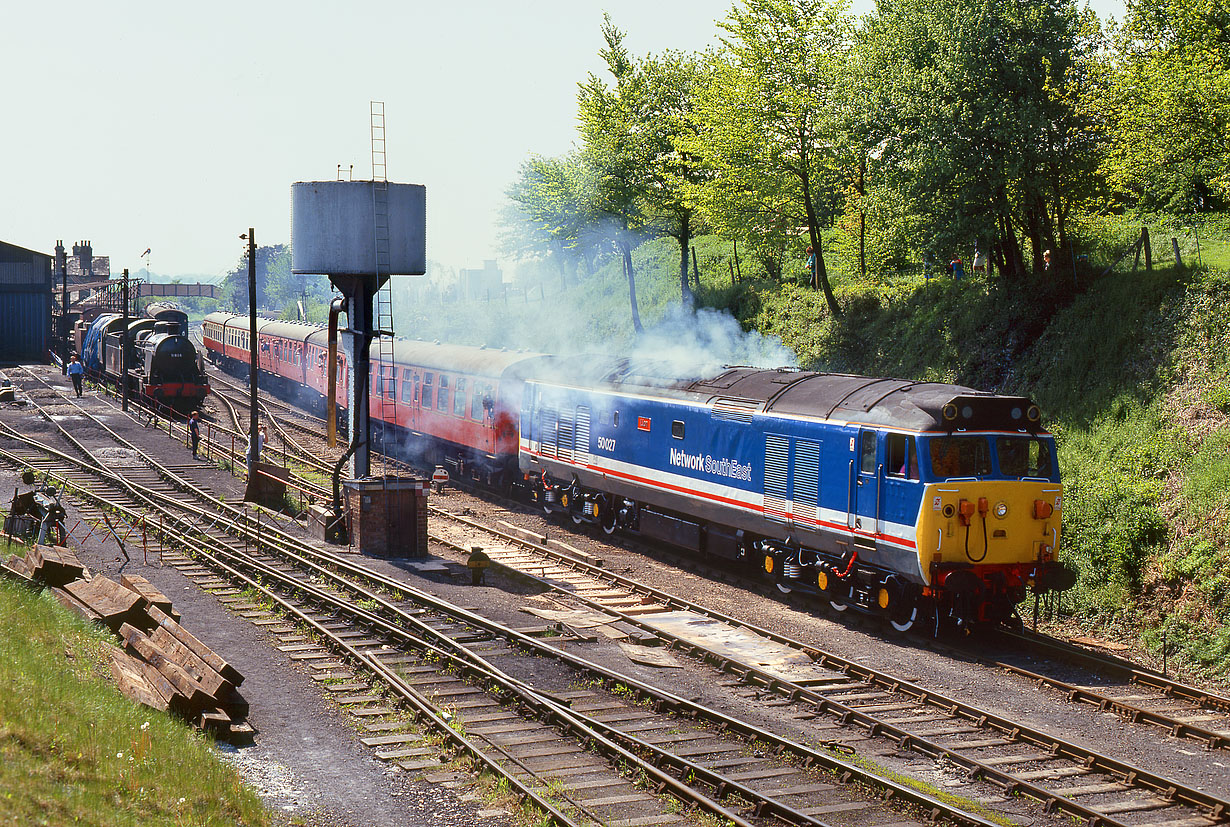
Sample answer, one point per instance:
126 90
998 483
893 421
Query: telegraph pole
64 329
124 350
253 358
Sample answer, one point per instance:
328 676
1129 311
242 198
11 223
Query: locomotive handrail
850 498
879 493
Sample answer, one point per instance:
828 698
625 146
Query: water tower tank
333 228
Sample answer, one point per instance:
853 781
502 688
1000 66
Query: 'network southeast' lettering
730 468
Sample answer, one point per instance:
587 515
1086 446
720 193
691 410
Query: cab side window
901 458
867 453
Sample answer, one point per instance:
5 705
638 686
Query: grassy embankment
1132 373
74 751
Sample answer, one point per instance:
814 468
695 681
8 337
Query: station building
25 304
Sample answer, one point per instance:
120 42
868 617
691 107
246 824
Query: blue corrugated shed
25 304
23 327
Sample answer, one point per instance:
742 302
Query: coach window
407 386
677 429
901 458
390 380
459 398
426 398
442 395
867 453
476 402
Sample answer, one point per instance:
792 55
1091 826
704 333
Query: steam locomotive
921 502
162 363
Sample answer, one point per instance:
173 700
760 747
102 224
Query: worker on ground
194 433
256 444
76 372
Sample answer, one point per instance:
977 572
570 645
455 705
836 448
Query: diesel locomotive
921 502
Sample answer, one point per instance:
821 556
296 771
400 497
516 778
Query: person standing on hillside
980 261
76 372
957 268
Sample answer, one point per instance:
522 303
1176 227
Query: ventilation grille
776 471
735 410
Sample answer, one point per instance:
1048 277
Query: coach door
865 505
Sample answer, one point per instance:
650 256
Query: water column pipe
359 293
336 308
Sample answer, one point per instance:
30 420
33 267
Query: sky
176 127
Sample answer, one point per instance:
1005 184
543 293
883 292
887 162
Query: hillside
1131 371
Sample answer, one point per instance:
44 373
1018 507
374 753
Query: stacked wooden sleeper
161 664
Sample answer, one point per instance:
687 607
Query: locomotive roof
893 403
899 403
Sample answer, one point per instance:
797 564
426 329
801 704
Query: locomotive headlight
1001 509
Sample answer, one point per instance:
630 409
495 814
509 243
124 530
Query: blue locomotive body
834 484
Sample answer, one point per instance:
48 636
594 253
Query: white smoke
699 343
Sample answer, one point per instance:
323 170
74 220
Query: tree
1171 105
978 108
277 289
635 143
770 136
610 130
551 214
668 126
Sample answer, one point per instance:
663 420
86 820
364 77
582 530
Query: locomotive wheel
577 519
908 623
608 523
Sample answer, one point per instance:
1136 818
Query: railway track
436 660
1139 695
915 717
1064 776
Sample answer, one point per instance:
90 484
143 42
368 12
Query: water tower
360 234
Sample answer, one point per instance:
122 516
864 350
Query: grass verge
75 751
